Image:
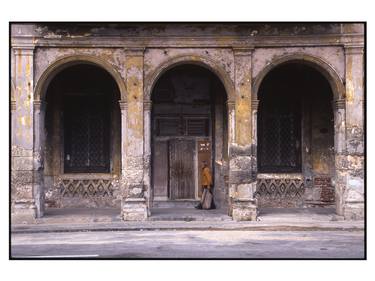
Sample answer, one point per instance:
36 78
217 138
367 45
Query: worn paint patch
243 120
349 80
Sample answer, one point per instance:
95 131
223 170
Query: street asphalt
347 244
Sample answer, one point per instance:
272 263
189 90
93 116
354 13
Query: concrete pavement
187 219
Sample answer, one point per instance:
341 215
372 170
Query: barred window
279 136
86 134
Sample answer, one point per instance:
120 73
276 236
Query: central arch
202 61
188 126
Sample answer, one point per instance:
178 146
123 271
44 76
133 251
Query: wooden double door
176 167
181 169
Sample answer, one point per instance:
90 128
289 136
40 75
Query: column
24 207
242 178
147 153
353 195
134 204
38 156
340 153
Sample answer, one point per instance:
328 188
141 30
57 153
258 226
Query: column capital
339 104
354 49
135 52
231 105
254 104
37 104
243 51
147 105
13 105
24 51
123 105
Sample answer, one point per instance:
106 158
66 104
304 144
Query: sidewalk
79 220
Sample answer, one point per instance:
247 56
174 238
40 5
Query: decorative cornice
141 42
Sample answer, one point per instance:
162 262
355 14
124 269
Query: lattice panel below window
280 192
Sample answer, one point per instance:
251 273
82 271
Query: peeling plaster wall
155 61
139 53
332 55
45 57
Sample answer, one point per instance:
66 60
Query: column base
244 210
23 213
354 211
134 209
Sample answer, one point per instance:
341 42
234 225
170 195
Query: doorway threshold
188 214
175 203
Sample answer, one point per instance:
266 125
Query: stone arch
317 63
205 62
40 92
62 63
338 103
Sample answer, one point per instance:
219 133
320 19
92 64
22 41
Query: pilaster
242 179
134 203
24 207
351 164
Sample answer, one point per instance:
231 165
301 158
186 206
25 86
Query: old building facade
122 116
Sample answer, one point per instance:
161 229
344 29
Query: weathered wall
136 190
334 56
136 55
22 168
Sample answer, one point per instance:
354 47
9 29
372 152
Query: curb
87 228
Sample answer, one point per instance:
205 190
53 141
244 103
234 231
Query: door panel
160 169
181 169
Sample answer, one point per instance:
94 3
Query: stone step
188 214
189 203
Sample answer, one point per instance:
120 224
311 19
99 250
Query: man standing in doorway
207 200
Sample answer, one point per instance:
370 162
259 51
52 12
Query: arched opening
82 154
295 151
189 126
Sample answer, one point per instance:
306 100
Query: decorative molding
231 105
243 51
354 49
138 42
147 105
13 105
339 104
254 104
24 51
37 105
123 105
135 52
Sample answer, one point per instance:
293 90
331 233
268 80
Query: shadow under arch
336 83
62 63
204 62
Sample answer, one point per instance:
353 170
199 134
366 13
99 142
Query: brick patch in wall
327 193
